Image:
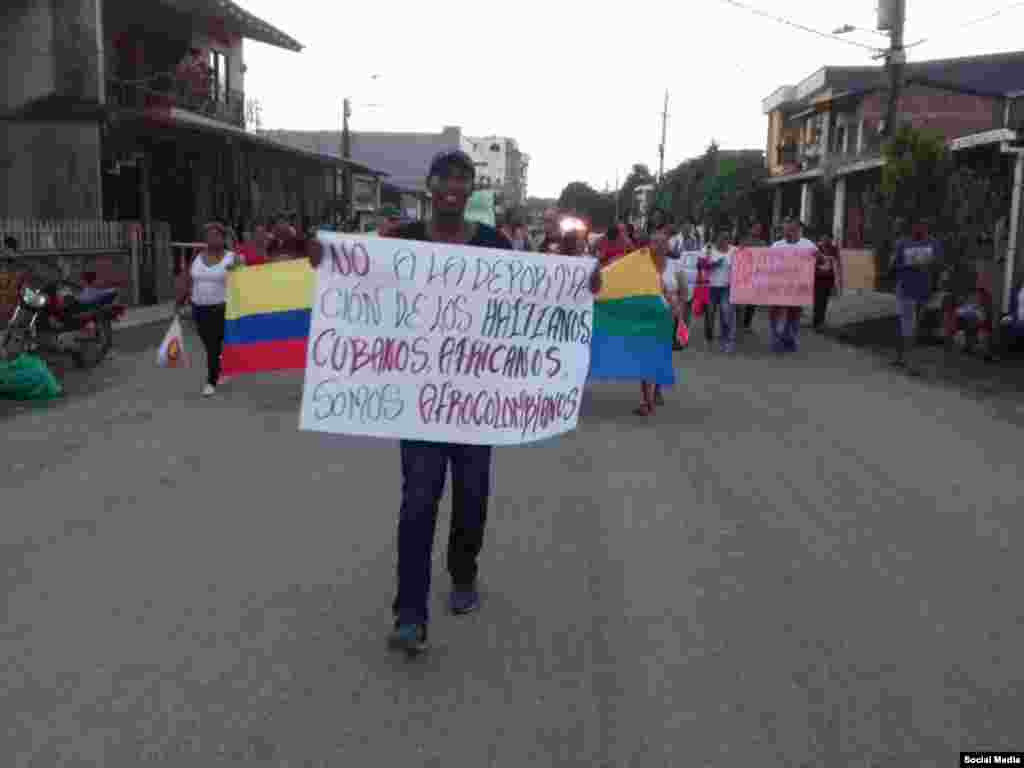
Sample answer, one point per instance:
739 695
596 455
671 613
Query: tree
639 175
915 185
718 185
916 172
587 201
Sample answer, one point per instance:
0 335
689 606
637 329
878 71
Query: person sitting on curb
1011 327
424 464
973 323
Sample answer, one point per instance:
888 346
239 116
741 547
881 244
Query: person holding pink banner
784 322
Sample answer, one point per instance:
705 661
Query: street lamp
847 28
346 152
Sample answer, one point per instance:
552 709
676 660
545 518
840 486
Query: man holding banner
425 461
780 277
784 321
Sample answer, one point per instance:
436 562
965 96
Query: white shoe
209 391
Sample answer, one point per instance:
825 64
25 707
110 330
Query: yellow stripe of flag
279 287
632 275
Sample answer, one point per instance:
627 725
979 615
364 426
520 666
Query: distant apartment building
500 165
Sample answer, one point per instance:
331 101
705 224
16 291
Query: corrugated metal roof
989 75
248 25
326 143
993 75
404 157
256 28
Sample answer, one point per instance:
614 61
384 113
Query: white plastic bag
172 352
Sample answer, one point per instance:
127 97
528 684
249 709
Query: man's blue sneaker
411 638
464 599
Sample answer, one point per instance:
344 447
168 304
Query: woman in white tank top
208 289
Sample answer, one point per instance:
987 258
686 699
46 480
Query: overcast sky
580 89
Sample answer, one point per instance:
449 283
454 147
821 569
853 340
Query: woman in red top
257 250
612 246
284 240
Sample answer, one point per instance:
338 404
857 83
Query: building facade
500 165
824 136
133 111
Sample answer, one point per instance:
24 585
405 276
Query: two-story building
824 144
134 110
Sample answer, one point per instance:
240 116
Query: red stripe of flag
289 355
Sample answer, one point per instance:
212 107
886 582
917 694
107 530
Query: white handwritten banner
446 343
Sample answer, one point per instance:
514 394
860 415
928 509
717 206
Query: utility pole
891 15
661 148
618 194
346 155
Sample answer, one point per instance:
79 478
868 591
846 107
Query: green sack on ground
27 377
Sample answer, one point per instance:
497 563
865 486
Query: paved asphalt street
803 562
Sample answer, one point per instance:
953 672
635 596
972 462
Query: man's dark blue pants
424 466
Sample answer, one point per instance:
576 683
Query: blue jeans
721 306
784 323
424 466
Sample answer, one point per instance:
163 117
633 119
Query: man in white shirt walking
784 322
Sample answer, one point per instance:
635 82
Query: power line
971 23
796 25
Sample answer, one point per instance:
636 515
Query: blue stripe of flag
631 358
273 326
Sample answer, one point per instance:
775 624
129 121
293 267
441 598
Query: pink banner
774 277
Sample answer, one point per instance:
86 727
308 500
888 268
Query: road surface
803 562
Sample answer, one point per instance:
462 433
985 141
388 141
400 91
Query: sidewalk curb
139 316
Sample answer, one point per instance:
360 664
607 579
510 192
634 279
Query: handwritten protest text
446 342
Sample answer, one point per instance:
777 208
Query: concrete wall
78 49
26 37
779 133
50 48
50 171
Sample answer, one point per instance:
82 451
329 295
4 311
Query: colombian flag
633 325
268 315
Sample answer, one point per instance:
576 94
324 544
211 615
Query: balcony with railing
166 91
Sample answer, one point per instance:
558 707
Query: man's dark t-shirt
485 237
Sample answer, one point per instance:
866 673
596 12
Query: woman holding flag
674 292
207 287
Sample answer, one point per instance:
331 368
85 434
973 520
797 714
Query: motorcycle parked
59 316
